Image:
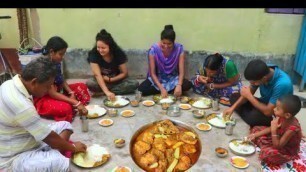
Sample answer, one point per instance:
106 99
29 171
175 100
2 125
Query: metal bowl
134 103
165 106
221 152
198 113
185 99
174 111
119 143
176 123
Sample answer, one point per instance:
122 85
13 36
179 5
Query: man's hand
227 113
246 92
79 147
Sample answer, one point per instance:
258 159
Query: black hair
55 43
256 70
41 68
107 38
291 103
168 33
213 62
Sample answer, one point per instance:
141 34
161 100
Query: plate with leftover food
94 156
95 111
120 101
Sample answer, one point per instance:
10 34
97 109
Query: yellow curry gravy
193 156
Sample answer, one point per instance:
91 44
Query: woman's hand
203 79
72 95
178 91
110 96
163 93
82 110
79 147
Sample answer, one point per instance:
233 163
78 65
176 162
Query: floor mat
298 165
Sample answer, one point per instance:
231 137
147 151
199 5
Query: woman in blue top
166 67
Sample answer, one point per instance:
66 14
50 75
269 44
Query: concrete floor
126 127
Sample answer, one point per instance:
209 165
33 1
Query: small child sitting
280 142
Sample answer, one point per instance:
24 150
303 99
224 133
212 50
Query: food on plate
165 146
127 113
95 111
94 115
166 100
106 122
118 102
203 126
159 99
200 102
241 147
95 155
185 106
239 162
148 103
211 116
122 169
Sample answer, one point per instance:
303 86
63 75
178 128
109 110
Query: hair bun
169 27
103 32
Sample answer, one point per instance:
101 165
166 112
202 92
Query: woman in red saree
62 99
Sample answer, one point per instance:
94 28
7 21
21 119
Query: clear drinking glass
138 95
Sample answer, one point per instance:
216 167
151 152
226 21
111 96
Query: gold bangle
77 104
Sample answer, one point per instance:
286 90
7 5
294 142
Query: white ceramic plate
200 126
106 122
82 159
118 168
237 165
185 106
120 101
202 103
95 111
241 149
148 103
127 113
216 121
166 100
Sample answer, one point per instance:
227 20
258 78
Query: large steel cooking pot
176 123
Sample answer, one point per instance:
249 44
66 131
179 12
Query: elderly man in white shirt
26 142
